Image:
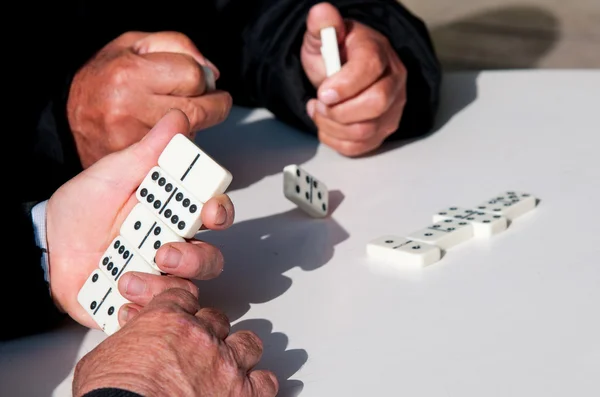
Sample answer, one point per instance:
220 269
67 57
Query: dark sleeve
111 392
27 305
267 71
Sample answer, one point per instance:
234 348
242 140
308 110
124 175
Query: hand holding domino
181 184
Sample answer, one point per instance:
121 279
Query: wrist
126 381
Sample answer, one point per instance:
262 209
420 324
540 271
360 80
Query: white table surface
515 315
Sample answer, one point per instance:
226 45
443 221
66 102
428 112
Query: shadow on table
509 37
506 37
32 366
255 149
259 251
283 363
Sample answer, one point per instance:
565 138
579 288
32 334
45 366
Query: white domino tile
209 78
330 51
195 170
510 204
101 300
444 234
147 233
307 192
484 224
403 251
168 200
120 258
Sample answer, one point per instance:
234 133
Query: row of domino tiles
452 226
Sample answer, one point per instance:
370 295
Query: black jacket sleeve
262 66
111 392
28 307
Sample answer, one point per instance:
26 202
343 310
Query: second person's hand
122 92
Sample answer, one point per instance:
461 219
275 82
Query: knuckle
251 341
375 62
268 383
351 149
362 131
196 113
179 297
191 287
119 73
377 102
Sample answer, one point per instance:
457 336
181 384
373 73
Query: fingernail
135 286
310 108
221 215
127 313
321 108
171 258
329 96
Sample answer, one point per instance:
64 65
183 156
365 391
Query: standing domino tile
169 201
403 251
120 258
509 204
330 51
308 193
197 172
147 233
102 300
445 234
209 78
484 224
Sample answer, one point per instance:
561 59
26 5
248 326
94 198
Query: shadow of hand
276 358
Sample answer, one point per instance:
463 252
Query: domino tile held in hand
195 170
101 300
147 233
168 200
120 258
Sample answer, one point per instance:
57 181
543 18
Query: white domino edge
209 78
403 251
330 51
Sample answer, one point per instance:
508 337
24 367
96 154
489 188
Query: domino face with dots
403 251
330 51
120 258
147 233
101 300
196 171
445 234
307 192
170 202
510 204
484 224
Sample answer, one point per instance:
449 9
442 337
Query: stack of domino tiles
452 226
170 200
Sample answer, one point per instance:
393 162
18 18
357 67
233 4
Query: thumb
172 42
321 16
